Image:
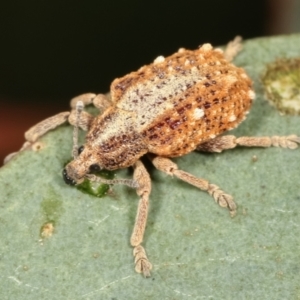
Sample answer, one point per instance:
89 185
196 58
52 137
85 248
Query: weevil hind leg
233 48
227 142
141 176
169 167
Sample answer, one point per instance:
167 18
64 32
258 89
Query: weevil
169 108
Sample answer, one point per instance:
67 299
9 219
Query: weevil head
112 143
75 171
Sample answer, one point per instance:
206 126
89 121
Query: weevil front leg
99 101
226 142
38 130
167 166
141 176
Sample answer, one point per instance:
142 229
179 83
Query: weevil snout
67 178
74 172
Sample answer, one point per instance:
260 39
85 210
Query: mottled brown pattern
201 79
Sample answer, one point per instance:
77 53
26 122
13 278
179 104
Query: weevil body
175 105
167 108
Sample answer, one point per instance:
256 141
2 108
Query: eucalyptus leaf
197 250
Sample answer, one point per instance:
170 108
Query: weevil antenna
129 182
79 109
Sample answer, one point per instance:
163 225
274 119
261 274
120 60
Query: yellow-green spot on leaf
282 85
51 206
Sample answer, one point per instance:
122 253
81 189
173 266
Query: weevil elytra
169 108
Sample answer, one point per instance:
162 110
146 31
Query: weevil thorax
185 99
113 141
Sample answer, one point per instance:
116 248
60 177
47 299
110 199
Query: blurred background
53 50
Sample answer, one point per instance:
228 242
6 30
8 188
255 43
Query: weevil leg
167 166
38 130
84 122
78 110
233 48
226 142
141 176
100 101
46 125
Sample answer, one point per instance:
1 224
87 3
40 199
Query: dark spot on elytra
207 84
151 130
224 99
207 105
124 138
153 137
181 110
159 125
173 125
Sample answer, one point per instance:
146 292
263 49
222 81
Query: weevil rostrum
169 108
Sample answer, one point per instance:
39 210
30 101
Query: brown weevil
169 108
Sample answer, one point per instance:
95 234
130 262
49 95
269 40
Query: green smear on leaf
96 189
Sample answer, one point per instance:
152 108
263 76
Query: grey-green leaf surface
198 251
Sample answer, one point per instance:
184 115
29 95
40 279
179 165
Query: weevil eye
67 179
95 168
80 149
